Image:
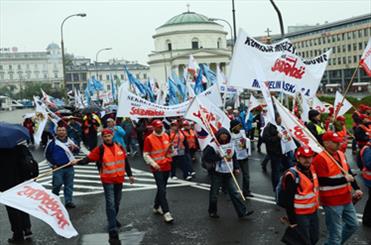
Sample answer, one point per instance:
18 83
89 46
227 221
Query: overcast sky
128 26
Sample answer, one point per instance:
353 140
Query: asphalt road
188 203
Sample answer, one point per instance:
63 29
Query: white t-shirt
228 150
242 145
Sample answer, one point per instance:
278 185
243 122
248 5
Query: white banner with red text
32 198
276 63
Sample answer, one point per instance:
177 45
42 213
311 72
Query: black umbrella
12 134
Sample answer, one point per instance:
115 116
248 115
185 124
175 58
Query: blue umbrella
12 134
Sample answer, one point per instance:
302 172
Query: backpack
28 165
280 189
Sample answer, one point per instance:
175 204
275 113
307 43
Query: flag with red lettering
319 105
32 198
296 129
341 108
365 61
202 109
277 63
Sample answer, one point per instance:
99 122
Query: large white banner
276 63
131 105
296 129
202 109
341 108
32 198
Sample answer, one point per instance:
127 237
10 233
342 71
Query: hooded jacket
211 153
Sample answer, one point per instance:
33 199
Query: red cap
185 123
107 131
157 124
331 110
174 122
340 118
362 116
363 108
331 136
304 151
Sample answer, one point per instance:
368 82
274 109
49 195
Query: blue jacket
119 134
55 154
366 160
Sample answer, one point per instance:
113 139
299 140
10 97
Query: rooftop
188 18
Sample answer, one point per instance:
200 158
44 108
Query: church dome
188 18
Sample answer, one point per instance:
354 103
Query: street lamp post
234 21
62 46
96 60
230 28
279 18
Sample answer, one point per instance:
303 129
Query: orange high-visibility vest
113 163
343 134
306 196
177 140
333 173
191 138
160 152
367 130
366 173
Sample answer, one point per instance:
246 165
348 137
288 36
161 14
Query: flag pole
52 171
217 143
346 91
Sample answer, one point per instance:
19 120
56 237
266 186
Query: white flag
365 61
277 63
318 105
253 103
32 198
41 119
305 108
202 109
296 129
268 101
341 109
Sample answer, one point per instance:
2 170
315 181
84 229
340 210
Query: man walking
118 132
59 152
157 154
335 188
112 164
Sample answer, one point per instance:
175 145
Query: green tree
8 90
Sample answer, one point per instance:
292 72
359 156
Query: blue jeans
341 222
309 226
112 194
218 180
161 182
64 177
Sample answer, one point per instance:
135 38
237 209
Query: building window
333 38
354 34
344 60
344 49
100 77
311 53
219 43
349 59
334 61
339 60
334 50
359 33
108 87
324 40
355 59
338 49
11 76
168 45
338 37
107 77
145 76
349 47
122 76
19 67
137 76
10 67
1 67
195 43
365 32
28 75
348 35
343 36
115 77
329 62
45 75
354 46
360 46
55 74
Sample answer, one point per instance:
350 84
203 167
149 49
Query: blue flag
98 85
91 87
87 95
149 92
199 88
138 86
113 88
209 74
173 92
180 85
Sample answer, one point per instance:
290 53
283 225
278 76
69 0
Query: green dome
188 18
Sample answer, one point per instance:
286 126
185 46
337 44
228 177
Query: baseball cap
107 131
157 123
304 151
331 136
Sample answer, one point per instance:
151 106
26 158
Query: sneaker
248 213
70 205
249 195
189 177
16 239
213 215
168 218
27 233
174 178
158 211
193 173
114 238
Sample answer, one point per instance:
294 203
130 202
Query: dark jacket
11 172
271 140
209 154
312 128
